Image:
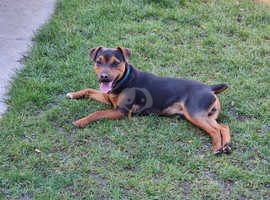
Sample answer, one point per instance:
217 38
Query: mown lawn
42 156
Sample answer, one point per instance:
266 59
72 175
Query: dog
131 91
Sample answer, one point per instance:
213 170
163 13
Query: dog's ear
125 52
93 53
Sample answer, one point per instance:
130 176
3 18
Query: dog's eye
98 62
115 64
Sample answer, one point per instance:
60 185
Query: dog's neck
117 88
124 78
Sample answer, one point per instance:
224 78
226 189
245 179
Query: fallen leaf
203 27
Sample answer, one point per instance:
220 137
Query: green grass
145 157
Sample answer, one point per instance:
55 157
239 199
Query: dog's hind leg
226 137
199 119
204 123
213 113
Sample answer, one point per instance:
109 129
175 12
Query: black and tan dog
132 91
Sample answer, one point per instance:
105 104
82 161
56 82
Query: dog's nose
104 77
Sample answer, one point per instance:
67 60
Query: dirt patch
240 117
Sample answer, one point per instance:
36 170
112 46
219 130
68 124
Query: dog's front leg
90 93
108 114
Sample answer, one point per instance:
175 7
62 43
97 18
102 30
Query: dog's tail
218 88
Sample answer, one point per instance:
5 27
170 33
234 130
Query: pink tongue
105 87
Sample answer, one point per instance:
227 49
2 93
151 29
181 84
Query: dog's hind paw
69 95
227 148
218 151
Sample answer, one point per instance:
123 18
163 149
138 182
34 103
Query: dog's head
110 65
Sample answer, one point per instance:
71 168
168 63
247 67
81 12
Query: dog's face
109 65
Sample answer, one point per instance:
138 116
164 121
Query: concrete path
19 19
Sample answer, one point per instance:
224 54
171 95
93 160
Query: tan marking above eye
101 60
113 60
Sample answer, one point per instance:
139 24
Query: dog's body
132 91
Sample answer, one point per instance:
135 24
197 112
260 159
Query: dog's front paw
69 95
80 124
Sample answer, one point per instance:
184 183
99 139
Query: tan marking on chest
114 100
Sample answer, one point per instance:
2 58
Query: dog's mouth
107 86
